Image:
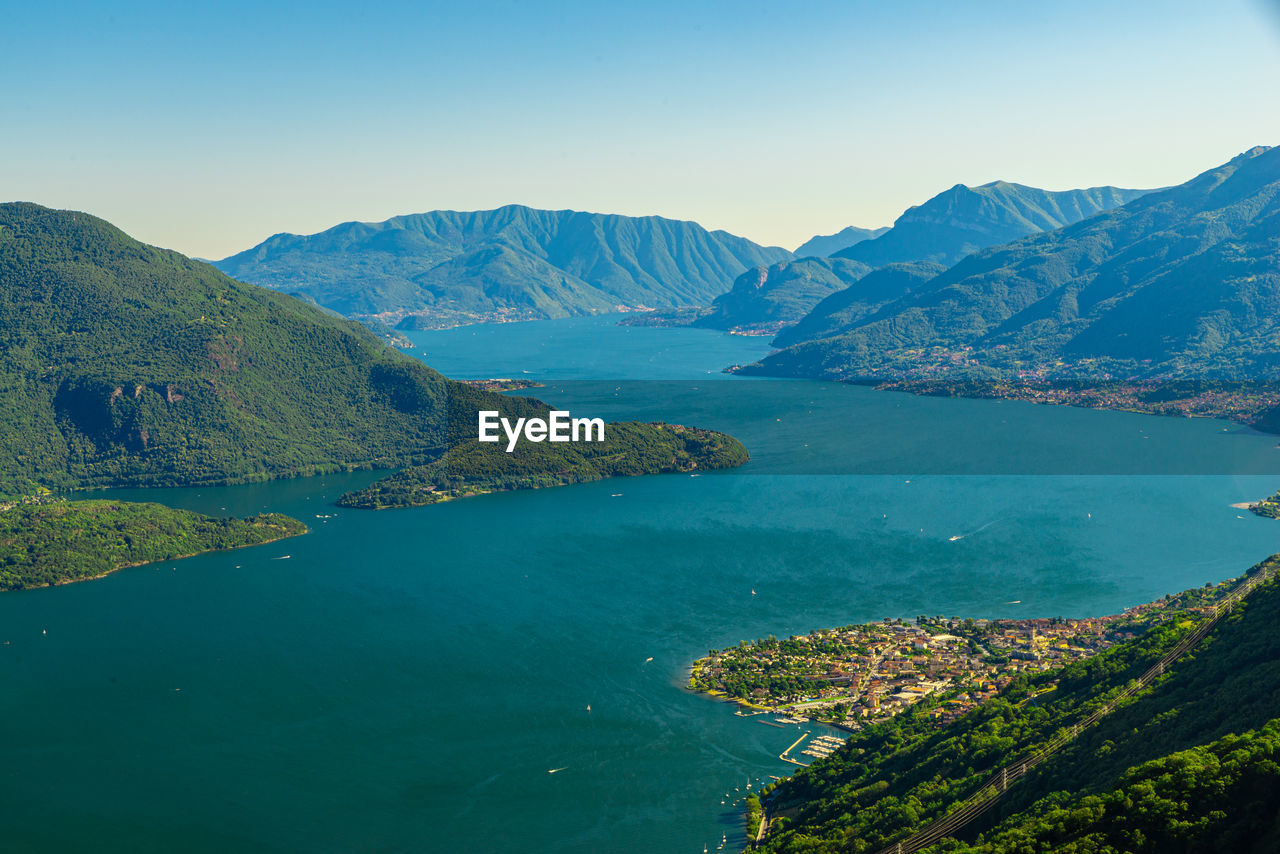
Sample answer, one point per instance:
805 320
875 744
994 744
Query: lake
406 680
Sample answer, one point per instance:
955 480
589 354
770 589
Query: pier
784 754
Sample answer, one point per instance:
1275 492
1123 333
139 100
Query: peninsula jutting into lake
859 675
47 540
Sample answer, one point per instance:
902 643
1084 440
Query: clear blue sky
206 128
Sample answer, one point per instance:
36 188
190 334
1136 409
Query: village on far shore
861 674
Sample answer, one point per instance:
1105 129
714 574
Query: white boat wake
974 531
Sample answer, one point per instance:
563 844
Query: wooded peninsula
46 541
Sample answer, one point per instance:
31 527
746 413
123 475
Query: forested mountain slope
121 363
1186 765
844 308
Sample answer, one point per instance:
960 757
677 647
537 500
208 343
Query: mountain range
861 298
1179 284
826 245
765 299
962 220
124 364
512 263
943 230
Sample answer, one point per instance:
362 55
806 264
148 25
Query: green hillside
860 299
55 542
1184 764
510 263
963 220
121 363
629 449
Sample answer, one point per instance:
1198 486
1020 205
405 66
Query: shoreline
1099 396
1088 397
62 582
1101 626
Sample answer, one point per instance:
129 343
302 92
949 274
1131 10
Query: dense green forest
121 363
54 541
629 448
1186 764
1221 796
512 263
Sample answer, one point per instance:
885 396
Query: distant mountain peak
1180 284
956 222
510 263
825 245
963 219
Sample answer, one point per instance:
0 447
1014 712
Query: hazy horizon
208 130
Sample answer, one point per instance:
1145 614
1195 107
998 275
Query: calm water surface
405 680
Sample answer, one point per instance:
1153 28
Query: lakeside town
39 497
1094 383
861 674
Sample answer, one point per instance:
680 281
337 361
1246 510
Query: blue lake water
405 680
